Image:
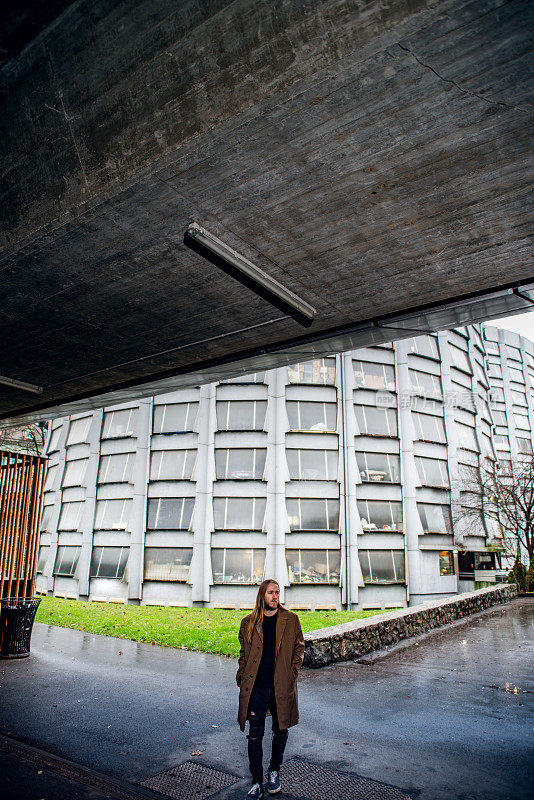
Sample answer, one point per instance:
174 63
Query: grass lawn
207 629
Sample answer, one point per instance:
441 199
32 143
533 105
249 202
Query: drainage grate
307 781
190 781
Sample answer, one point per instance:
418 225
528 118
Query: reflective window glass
109 562
425 384
304 415
240 463
239 513
382 566
424 346
46 518
306 514
380 515
524 445
69 519
369 375
175 417
170 513
119 423
493 369
167 563
241 415
435 518
432 471
428 427
116 468
112 514
74 474
54 440
521 421
378 467
374 421
446 563
312 465
67 559
253 377
460 359
44 552
467 437
321 371
313 566
237 565
51 473
78 430
172 465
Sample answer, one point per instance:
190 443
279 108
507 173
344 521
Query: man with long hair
272 652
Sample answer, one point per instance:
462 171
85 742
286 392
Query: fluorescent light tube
221 255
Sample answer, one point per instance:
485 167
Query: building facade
342 478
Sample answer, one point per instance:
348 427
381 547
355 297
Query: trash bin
16 622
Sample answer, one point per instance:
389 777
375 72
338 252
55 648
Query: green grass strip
210 630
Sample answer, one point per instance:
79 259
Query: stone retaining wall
353 639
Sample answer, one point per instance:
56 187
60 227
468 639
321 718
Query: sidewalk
446 720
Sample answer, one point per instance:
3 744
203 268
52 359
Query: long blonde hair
256 618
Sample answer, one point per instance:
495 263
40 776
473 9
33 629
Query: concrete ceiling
375 161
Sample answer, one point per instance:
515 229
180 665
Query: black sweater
265 676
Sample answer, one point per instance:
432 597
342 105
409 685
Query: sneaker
273 782
255 792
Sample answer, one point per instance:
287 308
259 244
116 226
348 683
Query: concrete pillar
139 503
277 475
54 519
201 573
88 513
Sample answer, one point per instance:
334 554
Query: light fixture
221 255
26 387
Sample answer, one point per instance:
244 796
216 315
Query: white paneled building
340 477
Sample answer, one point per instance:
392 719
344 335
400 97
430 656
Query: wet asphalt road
450 718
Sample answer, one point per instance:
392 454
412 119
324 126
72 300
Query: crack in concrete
457 85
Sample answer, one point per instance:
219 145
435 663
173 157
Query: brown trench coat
289 655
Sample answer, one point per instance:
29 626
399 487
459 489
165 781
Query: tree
24 439
503 493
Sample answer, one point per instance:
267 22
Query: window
175 417
496 395
432 471
513 352
116 468
424 346
254 377
521 421
46 518
172 465
435 518
369 375
499 417
237 565
492 347
170 513
44 552
524 446
241 415
460 359
424 383
519 398
429 428
313 515
374 421
312 465
516 375
54 439
109 562
378 467
119 423
446 563
309 416
494 370
78 430
481 375
240 464
501 441
112 514
67 559
51 473
70 516
382 566
467 438
74 474
239 513
321 370
167 563
380 515
314 566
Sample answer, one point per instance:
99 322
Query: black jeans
262 699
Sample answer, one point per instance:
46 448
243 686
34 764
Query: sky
518 323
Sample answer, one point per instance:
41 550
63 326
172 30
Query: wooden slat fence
21 492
